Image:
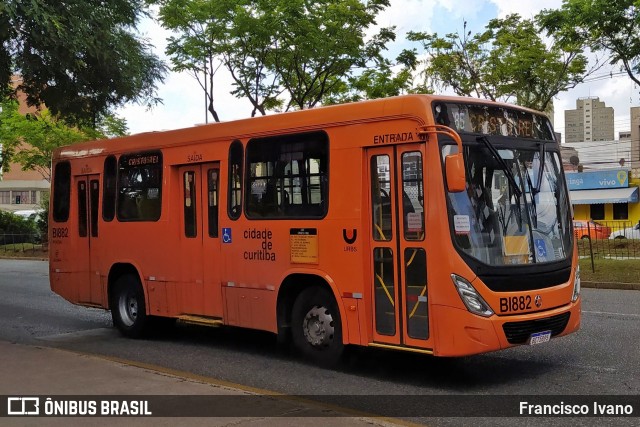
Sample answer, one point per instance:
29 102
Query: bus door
199 249
88 201
397 242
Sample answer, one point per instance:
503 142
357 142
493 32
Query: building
604 195
635 140
592 120
570 158
605 185
21 190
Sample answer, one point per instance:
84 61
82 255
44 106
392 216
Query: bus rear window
61 191
140 186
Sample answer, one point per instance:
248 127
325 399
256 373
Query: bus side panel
62 285
157 298
250 308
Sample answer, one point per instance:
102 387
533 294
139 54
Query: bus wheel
316 326
128 308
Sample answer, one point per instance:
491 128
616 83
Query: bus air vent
519 332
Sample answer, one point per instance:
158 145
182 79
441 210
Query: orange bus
438 225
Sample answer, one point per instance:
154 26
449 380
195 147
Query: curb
24 258
611 285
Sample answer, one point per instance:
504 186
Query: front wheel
128 308
316 326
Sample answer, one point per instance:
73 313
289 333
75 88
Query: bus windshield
515 209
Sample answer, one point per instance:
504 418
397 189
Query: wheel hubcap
128 307
318 327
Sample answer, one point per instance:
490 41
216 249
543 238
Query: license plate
539 337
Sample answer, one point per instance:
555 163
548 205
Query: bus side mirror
454 170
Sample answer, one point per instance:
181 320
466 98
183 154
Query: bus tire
316 326
128 308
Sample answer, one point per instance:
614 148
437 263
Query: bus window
109 189
212 205
140 187
190 220
417 310
412 196
381 196
384 278
235 180
82 209
287 176
61 191
94 199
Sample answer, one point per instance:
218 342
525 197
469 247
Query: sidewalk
42 371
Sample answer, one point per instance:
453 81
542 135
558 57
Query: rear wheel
128 308
316 326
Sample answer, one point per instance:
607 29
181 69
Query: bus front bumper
461 333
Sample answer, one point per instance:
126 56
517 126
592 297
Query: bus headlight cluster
470 297
576 285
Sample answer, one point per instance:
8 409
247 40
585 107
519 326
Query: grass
610 270
19 250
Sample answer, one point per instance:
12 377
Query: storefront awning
609 195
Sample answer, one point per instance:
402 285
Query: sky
183 99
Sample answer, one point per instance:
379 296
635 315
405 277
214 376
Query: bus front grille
519 332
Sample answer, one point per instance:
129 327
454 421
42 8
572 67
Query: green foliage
508 60
14 224
79 57
30 139
320 42
199 27
611 27
42 220
382 80
281 53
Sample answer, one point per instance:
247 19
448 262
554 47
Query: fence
596 240
607 239
21 243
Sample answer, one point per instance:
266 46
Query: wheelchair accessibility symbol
226 235
541 248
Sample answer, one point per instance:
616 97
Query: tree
280 53
381 80
30 139
611 27
509 59
248 54
80 58
195 48
321 41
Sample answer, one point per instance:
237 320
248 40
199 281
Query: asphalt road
601 359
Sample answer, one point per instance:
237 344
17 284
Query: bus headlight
470 297
576 285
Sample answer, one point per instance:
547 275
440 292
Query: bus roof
296 121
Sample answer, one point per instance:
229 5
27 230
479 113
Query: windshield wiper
534 191
507 170
541 168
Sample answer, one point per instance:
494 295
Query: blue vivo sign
614 178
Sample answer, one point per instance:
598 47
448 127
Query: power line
609 75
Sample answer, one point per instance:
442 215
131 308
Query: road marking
612 314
